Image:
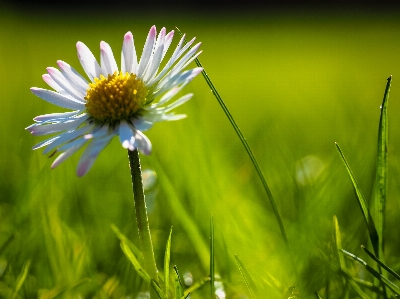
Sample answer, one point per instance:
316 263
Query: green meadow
295 83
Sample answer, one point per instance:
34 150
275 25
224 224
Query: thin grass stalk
141 217
384 266
342 263
382 170
373 234
167 259
212 260
247 147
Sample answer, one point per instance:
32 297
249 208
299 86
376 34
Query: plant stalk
141 217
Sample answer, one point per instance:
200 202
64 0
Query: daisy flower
122 103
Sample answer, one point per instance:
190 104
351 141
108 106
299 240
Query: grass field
296 83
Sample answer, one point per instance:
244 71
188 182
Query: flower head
114 102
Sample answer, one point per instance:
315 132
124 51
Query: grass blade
178 285
246 146
380 263
21 278
318 296
167 259
355 285
196 285
179 211
247 278
338 242
350 280
382 169
124 239
212 265
141 271
373 234
375 273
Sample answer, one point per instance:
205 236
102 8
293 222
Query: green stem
141 217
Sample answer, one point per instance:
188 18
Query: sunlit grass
295 85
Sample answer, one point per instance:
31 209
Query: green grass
295 84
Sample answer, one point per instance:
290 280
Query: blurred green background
296 82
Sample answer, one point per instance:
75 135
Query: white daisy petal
167 96
142 143
147 51
68 137
167 43
58 77
142 124
72 143
184 59
126 135
45 142
156 57
68 153
88 61
54 116
179 78
173 117
107 60
179 68
128 57
73 76
98 132
58 99
91 153
172 60
178 102
57 127
53 84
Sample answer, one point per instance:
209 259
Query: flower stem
141 217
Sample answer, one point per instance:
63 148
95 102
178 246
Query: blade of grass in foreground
167 259
247 278
353 282
178 286
342 264
382 170
212 265
373 234
198 284
247 147
394 288
141 271
380 263
21 278
318 296
187 221
128 242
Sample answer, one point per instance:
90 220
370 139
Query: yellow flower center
117 97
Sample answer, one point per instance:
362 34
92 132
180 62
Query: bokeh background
295 78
